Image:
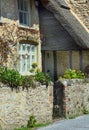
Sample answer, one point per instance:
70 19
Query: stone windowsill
1 21
23 26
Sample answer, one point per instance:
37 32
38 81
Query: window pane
21 5
33 48
24 48
19 47
28 63
18 4
33 58
28 49
20 63
26 18
23 64
0 9
23 9
25 5
21 17
27 57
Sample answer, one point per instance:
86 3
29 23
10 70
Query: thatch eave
70 22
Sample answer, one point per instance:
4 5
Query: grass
32 128
24 128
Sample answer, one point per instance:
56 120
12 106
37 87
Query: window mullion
30 56
20 63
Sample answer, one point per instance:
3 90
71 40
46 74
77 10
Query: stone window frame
24 12
26 57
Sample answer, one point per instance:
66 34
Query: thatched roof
55 37
69 21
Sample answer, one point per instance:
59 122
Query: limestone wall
76 97
11 32
17 107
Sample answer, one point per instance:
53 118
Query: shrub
34 65
10 77
28 81
14 79
72 74
40 76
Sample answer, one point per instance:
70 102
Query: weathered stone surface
31 34
17 107
81 9
76 96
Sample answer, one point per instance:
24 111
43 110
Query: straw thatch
69 21
54 35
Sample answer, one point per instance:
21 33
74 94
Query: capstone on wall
17 107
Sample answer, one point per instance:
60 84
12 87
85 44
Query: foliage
34 65
28 81
31 122
10 77
34 68
72 74
85 111
23 128
40 76
0 127
73 116
14 79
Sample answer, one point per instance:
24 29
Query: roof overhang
70 21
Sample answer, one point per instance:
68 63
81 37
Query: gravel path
79 123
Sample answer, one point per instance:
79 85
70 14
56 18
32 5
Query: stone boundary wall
75 97
17 107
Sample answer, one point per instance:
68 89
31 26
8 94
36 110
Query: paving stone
80 123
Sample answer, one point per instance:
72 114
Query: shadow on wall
86 71
58 100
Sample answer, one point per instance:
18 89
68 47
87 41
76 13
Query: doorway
49 63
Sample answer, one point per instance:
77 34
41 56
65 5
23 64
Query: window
0 9
24 12
27 54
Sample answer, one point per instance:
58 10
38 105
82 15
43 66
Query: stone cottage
20 46
64 26
64 33
19 34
